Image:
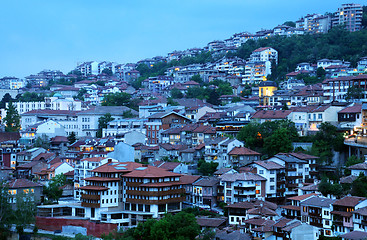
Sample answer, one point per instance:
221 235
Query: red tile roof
270 165
356 108
22 183
271 114
95 188
242 151
302 197
349 201
189 179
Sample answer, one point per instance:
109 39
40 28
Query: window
261 171
257 191
272 187
272 171
327 222
272 179
326 213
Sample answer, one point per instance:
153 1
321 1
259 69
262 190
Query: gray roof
289 159
235 235
318 201
246 176
354 235
206 182
101 110
359 166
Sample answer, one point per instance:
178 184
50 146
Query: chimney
109 160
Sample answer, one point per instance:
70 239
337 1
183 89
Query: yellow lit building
266 90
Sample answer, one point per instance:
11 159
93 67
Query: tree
81 94
116 99
128 114
107 71
325 141
72 137
207 168
352 160
198 79
175 93
6 98
279 141
326 188
250 134
102 123
213 97
359 186
12 119
320 73
42 141
5 211
354 93
290 23
25 211
54 191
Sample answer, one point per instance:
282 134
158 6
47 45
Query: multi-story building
83 169
342 213
119 127
264 54
316 211
274 174
205 191
217 150
128 193
314 23
238 187
241 156
349 15
256 72
360 219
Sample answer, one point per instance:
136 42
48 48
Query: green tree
213 97
107 71
81 94
116 99
12 119
359 186
279 141
42 141
102 123
25 211
54 191
290 23
6 98
354 93
250 134
175 93
72 137
207 168
326 140
5 212
128 114
197 79
320 73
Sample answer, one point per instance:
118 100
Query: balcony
291 169
163 201
90 197
155 193
316 224
133 184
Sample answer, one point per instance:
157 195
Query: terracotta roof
348 179
270 165
22 183
189 179
170 166
302 197
282 222
93 159
46 156
253 203
150 172
200 146
356 108
242 151
291 207
341 213
349 201
211 222
263 211
271 114
70 173
303 156
354 235
59 139
102 179
9 136
261 49
222 170
291 225
95 188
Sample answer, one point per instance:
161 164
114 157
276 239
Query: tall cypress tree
12 119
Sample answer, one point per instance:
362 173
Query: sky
40 34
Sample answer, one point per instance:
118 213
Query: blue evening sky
49 34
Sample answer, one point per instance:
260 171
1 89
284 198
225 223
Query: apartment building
83 169
342 213
118 128
348 15
264 54
241 156
205 191
238 187
256 72
314 23
217 150
274 174
316 211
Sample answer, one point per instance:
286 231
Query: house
316 211
360 219
205 191
30 189
274 174
237 187
342 213
29 170
211 223
359 168
55 169
241 156
350 118
187 183
262 116
293 211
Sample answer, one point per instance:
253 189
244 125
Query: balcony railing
163 201
155 193
90 197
